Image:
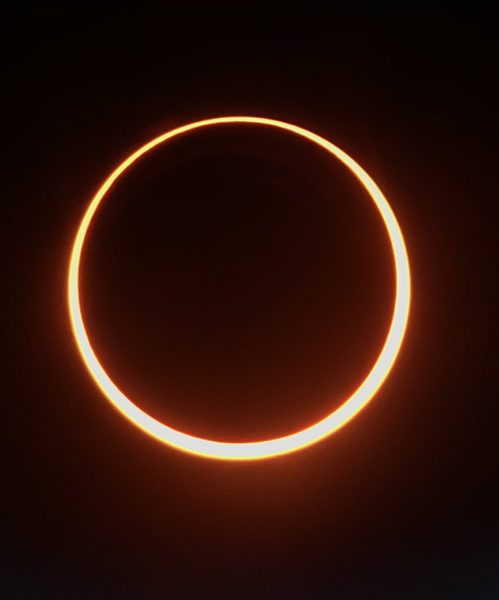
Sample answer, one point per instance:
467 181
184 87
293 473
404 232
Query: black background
239 282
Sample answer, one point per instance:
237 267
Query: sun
271 447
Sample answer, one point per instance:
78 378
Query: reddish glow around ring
271 447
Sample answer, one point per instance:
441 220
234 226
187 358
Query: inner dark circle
237 283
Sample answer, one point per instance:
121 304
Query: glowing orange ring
288 443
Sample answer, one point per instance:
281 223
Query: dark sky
238 285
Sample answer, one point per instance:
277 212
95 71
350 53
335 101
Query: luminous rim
276 446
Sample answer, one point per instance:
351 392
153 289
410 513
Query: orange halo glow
277 446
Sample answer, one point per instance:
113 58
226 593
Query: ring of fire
272 447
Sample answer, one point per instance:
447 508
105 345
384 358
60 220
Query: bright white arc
277 446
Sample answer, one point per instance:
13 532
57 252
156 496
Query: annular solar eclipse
270 447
